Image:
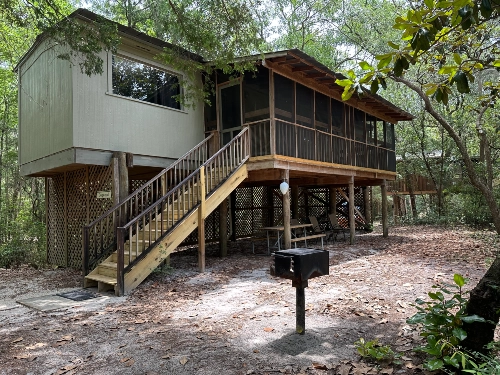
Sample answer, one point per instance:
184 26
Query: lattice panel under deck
56 247
73 204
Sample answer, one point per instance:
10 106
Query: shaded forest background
339 34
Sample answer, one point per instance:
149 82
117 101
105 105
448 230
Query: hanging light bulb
284 187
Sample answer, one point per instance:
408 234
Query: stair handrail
142 198
217 169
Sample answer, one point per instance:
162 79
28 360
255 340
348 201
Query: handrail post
86 244
120 277
201 220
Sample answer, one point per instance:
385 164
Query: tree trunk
484 301
474 178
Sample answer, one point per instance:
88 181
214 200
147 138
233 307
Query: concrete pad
47 303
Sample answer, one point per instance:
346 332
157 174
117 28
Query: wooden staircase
148 238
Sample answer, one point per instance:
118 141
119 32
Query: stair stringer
173 239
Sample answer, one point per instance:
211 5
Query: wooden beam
315 75
290 61
352 221
233 215
223 209
201 221
383 191
278 59
295 201
367 202
302 68
287 234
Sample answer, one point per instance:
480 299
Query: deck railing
165 214
99 237
279 137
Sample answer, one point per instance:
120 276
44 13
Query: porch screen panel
305 143
338 150
359 125
391 161
260 143
285 139
231 108
349 122
382 159
380 132
210 114
256 95
323 147
284 97
389 136
322 112
338 122
305 105
360 150
372 157
370 129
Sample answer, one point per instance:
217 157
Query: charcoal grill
300 265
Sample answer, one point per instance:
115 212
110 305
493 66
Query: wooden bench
308 237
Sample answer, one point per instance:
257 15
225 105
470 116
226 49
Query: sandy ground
236 318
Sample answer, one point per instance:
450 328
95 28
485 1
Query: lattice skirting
73 203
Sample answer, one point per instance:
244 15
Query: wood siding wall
45 104
109 122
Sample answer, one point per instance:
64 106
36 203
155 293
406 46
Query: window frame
147 62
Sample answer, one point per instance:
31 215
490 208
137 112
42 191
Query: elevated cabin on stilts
131 173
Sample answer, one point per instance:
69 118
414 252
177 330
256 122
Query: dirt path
236 318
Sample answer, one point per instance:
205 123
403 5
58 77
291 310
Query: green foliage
440 321
374 351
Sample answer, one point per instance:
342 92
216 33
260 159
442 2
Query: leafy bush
440 321
372 350
26 245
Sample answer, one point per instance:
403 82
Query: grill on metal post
300 265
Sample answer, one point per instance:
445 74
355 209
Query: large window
143 82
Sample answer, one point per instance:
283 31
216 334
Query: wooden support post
287 233
383 191
368 207
332 200
201 222
223 228
352 222
233 215
115 170
270 205
295 201
395 208
123 171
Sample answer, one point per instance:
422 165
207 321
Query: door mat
79 295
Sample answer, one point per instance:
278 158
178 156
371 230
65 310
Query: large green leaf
434 364
459 333
459 280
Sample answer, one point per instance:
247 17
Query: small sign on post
103 195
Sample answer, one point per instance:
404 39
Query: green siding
45 105
108 122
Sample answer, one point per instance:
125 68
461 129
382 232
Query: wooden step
107 269
102 278
114 257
